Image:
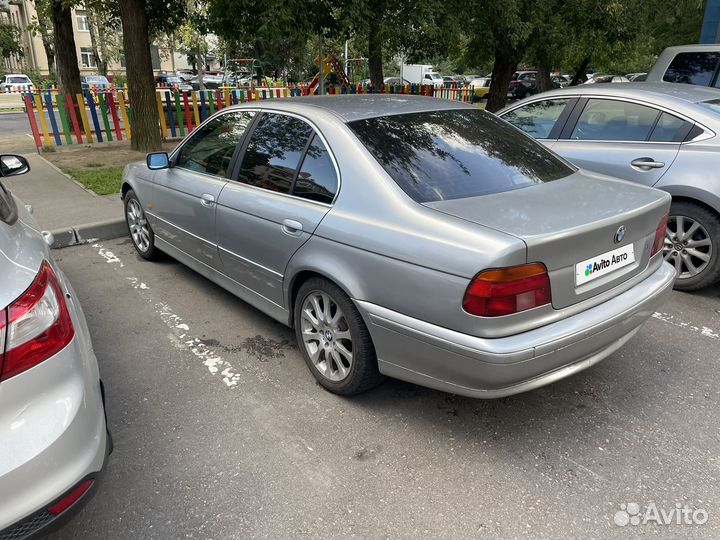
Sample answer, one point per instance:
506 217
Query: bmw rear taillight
504 291
659 236
36 326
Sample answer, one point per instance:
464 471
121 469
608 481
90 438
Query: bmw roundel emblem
620 234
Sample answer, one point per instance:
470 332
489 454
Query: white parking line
180 336
703 330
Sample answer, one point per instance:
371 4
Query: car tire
141 234
695 252
327 326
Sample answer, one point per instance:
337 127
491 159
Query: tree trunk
136 46
502 72
47 40
543 83
65 56
375 56
580 76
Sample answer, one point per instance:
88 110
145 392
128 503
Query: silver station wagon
411 237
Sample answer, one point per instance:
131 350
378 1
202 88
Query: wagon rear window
439 155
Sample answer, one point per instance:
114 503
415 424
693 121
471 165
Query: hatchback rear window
693 68
441 155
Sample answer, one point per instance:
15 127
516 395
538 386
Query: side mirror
157 161
13 165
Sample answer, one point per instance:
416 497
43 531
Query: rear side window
210 149
537 119
441 155
610 120
317 179
273 154
693 68
670 128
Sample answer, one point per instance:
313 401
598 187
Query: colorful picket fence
103 115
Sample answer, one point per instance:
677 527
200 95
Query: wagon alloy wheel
326 336
688 246
138 225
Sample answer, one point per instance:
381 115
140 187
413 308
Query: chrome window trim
709 133
318 132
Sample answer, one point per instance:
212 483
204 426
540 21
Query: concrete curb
91 232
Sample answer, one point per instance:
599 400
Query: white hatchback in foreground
53 436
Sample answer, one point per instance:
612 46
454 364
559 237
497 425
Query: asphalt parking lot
221 432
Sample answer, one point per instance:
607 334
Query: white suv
17 82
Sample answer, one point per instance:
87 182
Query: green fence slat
104 113
64 119
180 115
211 102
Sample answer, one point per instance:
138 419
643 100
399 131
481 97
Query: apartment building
21 13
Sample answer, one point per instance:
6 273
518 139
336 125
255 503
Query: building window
87 58
82 21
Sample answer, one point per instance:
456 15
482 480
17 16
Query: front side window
317 179
210 149
7 206
274 151
453 154
610 120
692 68
537 119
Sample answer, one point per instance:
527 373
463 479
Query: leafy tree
9 41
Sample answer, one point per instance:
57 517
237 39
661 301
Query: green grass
102 180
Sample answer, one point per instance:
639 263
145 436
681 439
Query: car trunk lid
571 221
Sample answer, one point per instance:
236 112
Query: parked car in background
688 64
522 84
186 76
560 81
396 80
53 435
601 79
636 77
453 79
469 78
655 134
94 81
17 82
480 87
418 238
211 80
172 81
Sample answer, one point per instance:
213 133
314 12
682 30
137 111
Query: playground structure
329 65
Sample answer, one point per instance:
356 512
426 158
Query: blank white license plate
604 264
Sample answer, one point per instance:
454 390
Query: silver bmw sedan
410 237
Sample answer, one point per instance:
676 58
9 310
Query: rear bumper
52 436
433 356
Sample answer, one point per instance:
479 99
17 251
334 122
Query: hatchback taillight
503 291
659 236
36 326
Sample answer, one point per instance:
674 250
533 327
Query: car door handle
207 200
292 227
647 163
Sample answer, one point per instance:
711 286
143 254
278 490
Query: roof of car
351 107
654 91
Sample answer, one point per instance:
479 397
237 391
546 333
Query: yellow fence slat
161 111
43 122
126 121
83 115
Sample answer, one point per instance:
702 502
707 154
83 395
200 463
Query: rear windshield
441 155
693 68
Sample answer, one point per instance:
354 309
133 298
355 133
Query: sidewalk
61 206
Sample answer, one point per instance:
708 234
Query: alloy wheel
687 245
137 223
326 336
